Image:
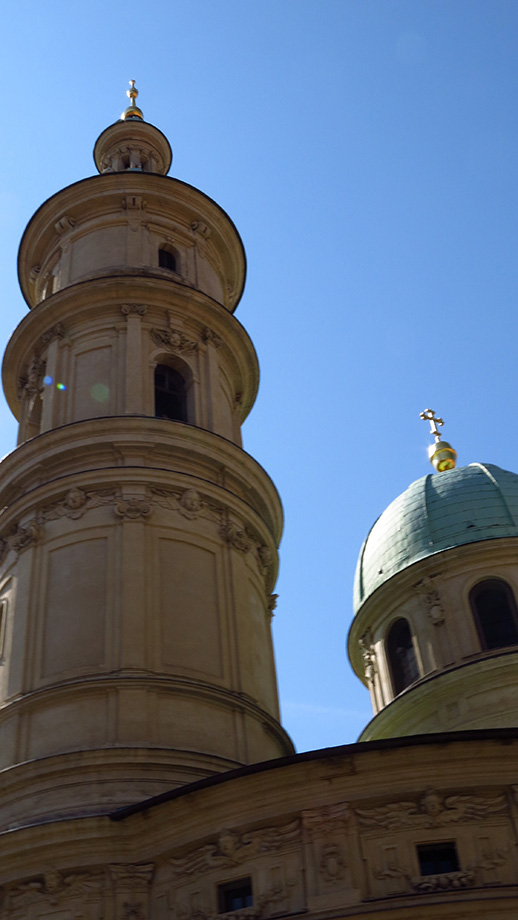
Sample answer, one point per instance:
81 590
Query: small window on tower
3 618
401 656
235 895
170 395
438 858
167 259
494 610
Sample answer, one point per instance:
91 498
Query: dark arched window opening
494 609
166 259
170 396
401 656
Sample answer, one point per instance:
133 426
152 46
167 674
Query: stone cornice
126 450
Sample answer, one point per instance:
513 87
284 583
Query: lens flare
100 392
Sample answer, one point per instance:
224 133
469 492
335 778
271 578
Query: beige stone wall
332 836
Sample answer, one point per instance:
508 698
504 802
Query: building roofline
504 735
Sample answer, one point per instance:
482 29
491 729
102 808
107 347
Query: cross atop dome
132 111
441 454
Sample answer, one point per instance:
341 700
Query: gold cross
429 416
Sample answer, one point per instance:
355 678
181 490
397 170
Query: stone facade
333 833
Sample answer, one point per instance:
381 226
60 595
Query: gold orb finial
133 110
442 456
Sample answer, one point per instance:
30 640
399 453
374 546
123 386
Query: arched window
170 395
167 259
401 656
494 610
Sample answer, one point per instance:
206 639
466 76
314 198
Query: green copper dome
438 512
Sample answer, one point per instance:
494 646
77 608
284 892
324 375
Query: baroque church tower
144 772
139 539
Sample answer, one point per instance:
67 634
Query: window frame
392 662
181 395
437 846
484 585
225 890
172 253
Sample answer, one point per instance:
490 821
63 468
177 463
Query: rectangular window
3 618
235 895
437 858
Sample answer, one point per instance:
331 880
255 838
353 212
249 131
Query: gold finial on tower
441 454
133 110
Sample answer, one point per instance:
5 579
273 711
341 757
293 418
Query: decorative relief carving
424 884
130 876
274 897
132 884
432 600
139 308
133 202
54 887
132 508
64 224
332 863
209 336
432 810
232 849
57 332
20 538
75 503
34 272
197 226
447 881
327 820
264 555
188 503
30 383
393 871
368 651
173 339
325 826
235 536
271 603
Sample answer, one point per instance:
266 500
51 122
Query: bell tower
138 539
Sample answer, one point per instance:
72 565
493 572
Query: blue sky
366 150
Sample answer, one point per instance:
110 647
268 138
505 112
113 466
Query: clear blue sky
367 151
